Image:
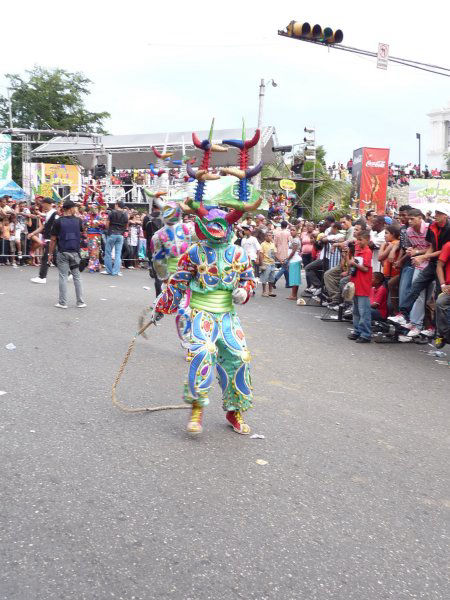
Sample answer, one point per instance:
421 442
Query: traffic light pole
418 136
437 70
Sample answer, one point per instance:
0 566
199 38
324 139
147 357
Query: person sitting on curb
378 297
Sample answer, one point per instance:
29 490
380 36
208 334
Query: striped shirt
417 240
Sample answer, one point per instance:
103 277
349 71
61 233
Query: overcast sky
171 66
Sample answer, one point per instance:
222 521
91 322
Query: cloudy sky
171 66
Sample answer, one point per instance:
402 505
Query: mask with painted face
214 224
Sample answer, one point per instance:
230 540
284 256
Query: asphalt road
352 503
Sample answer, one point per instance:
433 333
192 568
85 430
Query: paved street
97 504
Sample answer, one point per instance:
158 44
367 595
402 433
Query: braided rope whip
129 409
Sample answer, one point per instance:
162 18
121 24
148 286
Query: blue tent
13 190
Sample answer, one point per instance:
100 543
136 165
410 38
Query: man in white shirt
251 245
376 239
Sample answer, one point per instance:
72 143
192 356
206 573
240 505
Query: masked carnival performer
167 246
217 274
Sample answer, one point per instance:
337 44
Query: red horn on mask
233 216
201 212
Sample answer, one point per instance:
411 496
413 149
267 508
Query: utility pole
310 154
258 149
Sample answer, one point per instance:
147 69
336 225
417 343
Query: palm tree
326 189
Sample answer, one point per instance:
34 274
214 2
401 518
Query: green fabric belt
218 301
172 264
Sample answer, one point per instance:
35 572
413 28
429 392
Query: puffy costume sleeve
176 286
160 254
247 279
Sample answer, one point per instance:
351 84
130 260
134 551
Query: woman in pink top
307 244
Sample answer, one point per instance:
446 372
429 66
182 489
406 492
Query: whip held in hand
142 328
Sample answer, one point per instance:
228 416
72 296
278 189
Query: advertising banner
5 159
43 178
287 185
426 194
374 179
61 175
356 179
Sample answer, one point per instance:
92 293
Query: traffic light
304 31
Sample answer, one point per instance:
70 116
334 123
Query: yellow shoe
236 421
195 422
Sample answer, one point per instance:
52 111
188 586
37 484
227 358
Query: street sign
287 185
383 56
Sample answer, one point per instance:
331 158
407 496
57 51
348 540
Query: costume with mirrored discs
218 275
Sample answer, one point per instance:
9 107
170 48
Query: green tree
48 99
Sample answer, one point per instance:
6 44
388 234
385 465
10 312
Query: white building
439 136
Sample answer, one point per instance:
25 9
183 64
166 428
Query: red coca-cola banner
374 179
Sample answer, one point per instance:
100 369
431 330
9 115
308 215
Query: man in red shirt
443 300
378 298
361 276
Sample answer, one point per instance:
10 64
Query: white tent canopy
135 151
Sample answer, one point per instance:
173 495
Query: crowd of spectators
340 171
395 266
401 175
395 269
25 232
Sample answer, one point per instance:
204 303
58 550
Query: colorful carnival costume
217 274
95 226
168 244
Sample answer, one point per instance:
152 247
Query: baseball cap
121 204
68 204
443 208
